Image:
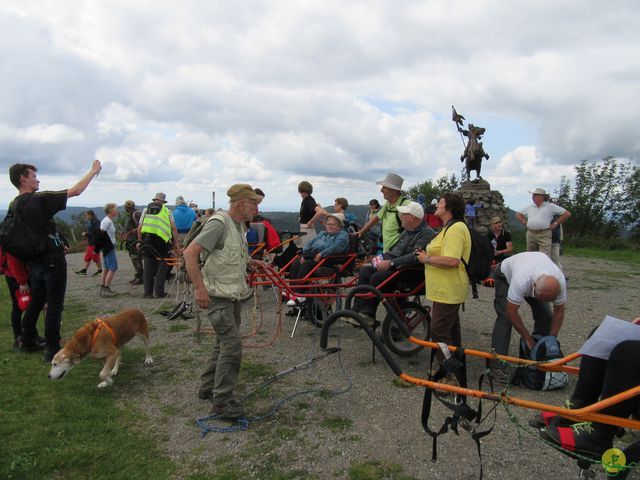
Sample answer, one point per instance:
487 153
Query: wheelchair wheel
417 319
317 311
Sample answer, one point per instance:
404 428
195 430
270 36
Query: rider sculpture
473 151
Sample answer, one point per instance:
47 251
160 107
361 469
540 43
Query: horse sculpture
473 151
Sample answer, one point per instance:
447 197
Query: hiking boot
206 395
147 295
98 272
136 281
501 376
579 438
82 272
230 410
106 292
549 419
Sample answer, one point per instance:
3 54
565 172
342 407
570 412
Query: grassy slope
67 429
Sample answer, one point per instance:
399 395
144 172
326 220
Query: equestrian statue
473 151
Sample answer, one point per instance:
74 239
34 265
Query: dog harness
99 326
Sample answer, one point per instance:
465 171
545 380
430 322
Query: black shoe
30 346
40 340
136 281
205 395
230 410
98 272
148 295
82 272
160 295
49 353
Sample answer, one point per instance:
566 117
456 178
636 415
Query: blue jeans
48 282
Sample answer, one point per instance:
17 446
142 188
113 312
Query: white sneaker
295 301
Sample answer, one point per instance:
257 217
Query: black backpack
19 237
479 266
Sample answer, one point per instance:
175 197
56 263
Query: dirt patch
344 411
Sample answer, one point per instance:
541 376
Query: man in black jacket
416 235
48 272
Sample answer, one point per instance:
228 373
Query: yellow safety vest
158 224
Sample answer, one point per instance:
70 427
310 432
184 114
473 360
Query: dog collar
99 325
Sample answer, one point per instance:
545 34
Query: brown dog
101 339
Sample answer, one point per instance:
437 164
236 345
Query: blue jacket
184 218
328 244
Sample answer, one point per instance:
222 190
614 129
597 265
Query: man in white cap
156 230
219 288
415 236
538 220
391 189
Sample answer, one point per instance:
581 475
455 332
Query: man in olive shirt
219 288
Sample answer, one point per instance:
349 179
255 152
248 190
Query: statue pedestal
491 203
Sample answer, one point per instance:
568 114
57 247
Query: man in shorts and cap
219 289
157 231
538 220
391 189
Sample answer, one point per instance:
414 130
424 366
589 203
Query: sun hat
240 191
180 200
412 208
539 191
392 181
338 216
129 204
160 197
495 220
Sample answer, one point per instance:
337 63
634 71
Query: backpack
479 266
546 348
20 238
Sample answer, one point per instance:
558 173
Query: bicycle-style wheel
417 319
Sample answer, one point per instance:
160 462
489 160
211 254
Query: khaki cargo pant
221 374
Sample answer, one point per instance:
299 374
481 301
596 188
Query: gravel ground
348 412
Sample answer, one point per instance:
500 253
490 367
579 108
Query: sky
190 97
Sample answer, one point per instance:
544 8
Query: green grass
69 428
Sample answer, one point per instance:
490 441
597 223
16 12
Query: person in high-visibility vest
158 230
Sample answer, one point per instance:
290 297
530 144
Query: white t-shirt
539 218
107 225
522 271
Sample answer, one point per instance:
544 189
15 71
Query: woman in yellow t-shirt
447 282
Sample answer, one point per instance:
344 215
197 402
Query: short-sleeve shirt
449 285
307 209
500 240
539 218
522 271
40 210
388 215
107 225
212 235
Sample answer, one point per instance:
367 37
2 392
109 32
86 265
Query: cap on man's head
392 181
240 191
129 204
160 197
495 220
539 191
338 216
412 208
180 200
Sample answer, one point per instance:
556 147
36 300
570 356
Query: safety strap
463 415
99 326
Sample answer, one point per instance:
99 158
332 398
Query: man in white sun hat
538 220
391 189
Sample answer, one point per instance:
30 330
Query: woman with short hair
447 282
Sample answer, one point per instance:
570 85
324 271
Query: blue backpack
546 348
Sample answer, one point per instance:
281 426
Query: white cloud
195 95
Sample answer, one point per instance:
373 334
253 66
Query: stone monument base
490 203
